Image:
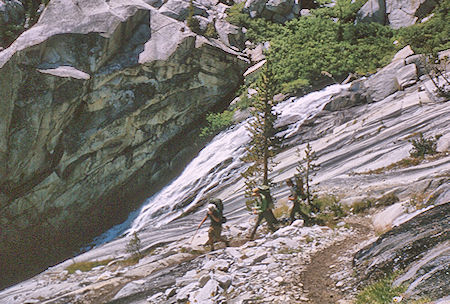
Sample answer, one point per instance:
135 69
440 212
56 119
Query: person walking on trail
296 195
215 214
263 208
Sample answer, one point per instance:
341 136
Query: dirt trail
333 265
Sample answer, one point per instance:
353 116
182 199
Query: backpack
265 190
219 205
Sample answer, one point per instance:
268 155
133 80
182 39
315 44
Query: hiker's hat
211 207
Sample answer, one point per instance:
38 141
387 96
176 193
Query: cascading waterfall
219 163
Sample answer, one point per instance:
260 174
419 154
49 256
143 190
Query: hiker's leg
305 217
270 217
220 237
292 215
260 217
211 238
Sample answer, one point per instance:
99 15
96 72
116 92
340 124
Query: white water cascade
219 163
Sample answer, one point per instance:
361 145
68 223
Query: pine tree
134 246
264 142
308 169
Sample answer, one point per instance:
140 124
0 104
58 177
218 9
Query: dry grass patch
87 265
282 209
404 163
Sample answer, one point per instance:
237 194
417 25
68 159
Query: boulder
91 99
419 248
275 10
396 13
403 53
280 7
384 220
206 293
179 9
443 143
345 99
254 7
230 34
372 11
184 293
131 288
384 82
257 54
402 13
407 76
223 280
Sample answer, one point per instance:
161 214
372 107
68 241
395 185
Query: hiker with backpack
215 214
263 207
296 195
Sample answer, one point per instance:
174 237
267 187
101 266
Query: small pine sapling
436 69
134 246
307 168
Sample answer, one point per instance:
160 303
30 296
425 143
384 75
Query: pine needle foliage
134 246
264 141
307 168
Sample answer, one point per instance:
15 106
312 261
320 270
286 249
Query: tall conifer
264 141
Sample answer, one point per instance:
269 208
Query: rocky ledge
268 269
419 249
296 264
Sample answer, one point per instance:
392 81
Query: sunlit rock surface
396 13
420 248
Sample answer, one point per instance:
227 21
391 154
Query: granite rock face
98 101
419 247
373 11
275 10
396 13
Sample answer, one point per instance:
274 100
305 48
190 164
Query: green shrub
210 31
381 292
301 49
343 10
363 205
388 199
422 146
8 33
330 209
236 16
258 29
308 46
431 36
217 122
244 102
192 22
296 86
